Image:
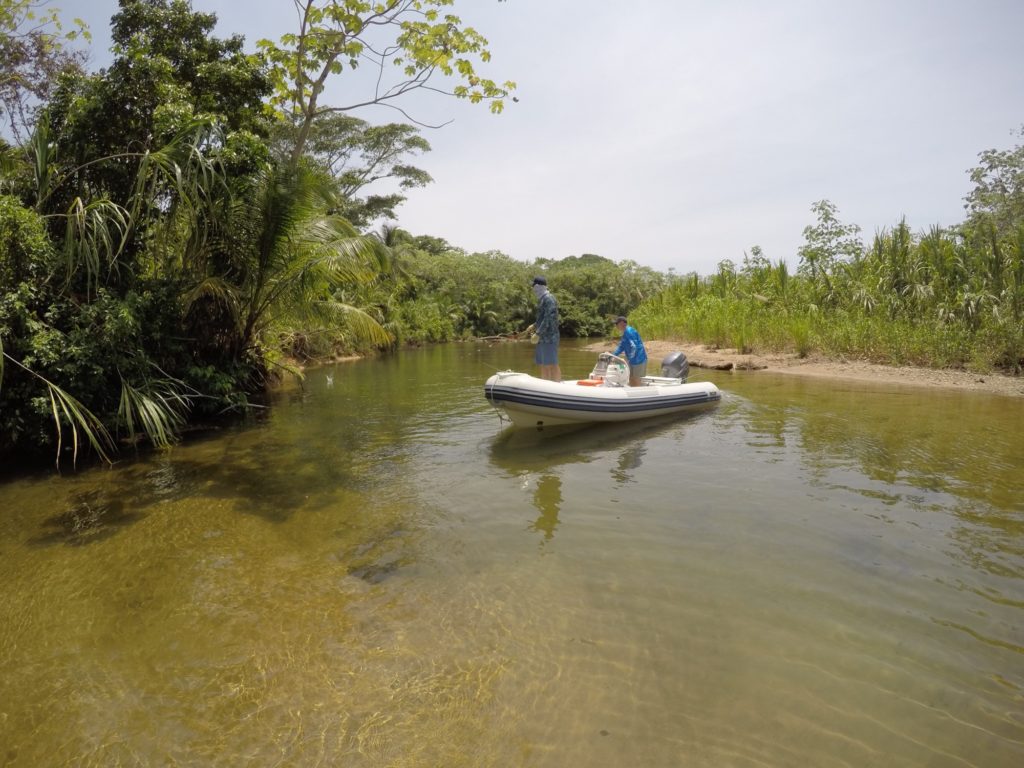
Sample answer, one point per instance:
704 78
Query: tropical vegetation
946 298
181 228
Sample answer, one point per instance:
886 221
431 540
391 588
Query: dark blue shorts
546 353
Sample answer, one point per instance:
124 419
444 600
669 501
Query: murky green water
377 574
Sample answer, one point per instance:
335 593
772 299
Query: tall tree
33 54
407 42
277 259
998 193
358 156
168 71
827 244
995 227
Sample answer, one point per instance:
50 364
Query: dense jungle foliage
177 228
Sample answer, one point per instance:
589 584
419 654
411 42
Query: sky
678 134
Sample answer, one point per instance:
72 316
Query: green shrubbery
944 299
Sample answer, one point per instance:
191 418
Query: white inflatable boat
603 396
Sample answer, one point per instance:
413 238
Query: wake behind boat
603 396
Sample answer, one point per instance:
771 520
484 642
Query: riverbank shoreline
701 356
817 366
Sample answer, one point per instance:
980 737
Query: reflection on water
547 497
629 459
378 574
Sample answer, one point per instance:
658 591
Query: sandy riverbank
704 357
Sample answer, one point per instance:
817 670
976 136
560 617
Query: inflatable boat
603 396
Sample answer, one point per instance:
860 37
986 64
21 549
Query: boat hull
537 403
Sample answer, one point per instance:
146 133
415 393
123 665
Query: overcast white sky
679 133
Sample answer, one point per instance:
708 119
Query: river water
377 572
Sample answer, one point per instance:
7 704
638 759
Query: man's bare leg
551 372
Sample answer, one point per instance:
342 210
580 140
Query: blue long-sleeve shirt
546 326
632 345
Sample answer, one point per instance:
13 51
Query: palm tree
277 261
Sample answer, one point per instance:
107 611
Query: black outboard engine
675 366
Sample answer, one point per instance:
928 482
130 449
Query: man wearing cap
546 328
633 346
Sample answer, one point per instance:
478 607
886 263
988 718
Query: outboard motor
675 366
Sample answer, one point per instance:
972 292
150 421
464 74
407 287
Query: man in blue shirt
546 329
633 346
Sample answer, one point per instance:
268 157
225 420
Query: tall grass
944 299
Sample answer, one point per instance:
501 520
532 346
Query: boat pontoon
605 395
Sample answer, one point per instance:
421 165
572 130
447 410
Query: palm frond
95 235
40 150
180 178
362 326
219 290
157 409
291 370
65 407
366 255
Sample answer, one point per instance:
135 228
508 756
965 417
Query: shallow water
378 573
